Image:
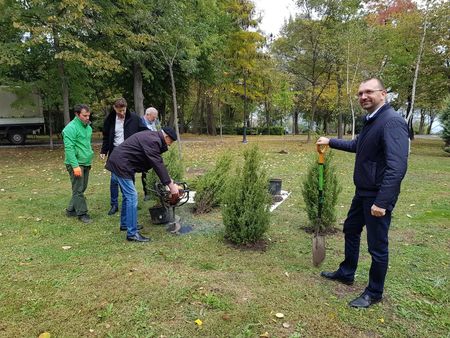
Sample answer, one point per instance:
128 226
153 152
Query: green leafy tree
66 28
304 51
445 120
211 186
331 190
245 204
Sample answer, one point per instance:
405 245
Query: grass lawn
103 286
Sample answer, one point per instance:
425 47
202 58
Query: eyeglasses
368 92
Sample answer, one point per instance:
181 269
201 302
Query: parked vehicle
21 114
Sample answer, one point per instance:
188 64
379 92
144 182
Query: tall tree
65 26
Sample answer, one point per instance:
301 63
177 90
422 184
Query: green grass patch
75 280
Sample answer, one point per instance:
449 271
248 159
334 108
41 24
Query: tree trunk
295 122
63 78
197 111
313 113
244 134
430 125
349 88
181 116
137 89
210 120
409 117
410 114
175 109
50 128
422 121
65 90
338 103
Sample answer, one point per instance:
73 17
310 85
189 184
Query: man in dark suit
380 165
119 125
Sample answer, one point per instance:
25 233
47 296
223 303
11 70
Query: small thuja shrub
331 190
174 167
445 122
211 186
245 203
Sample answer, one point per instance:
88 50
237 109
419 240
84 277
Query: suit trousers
377 242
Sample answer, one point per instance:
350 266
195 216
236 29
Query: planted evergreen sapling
211 186
331 190
245 204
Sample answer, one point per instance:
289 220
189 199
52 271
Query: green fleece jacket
77 143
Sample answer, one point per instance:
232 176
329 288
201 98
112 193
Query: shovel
318 244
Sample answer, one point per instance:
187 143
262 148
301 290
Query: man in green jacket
77 136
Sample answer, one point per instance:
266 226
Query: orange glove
77 172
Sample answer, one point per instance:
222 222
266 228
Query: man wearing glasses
380 165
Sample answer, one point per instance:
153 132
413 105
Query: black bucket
275 186
161 215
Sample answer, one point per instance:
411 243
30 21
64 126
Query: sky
273 13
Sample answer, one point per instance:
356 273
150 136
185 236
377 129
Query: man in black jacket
119 125
380 165
140 152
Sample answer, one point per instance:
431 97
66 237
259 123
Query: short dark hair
120 103
380 82
79 107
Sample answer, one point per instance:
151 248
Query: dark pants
79 184
377 242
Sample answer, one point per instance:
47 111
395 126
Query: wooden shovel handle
321 149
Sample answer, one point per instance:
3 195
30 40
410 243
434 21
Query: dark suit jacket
381 160
132 125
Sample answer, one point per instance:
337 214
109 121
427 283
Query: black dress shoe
113 210
335 276
364 301
71 213
124 227
85 218
138 238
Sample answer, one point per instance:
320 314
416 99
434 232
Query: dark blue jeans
128 215
114 191
377 242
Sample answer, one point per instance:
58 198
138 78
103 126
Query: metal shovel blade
318 249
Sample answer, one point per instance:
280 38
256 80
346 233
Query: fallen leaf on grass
66 247
226 317
286 274
286 325
408 215
265 335
381 320
45 335
279 315
198 322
